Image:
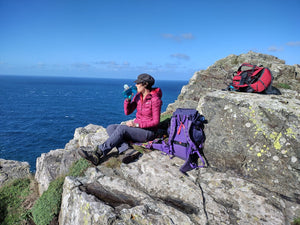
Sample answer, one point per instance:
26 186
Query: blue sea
39 114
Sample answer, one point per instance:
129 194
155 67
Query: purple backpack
186 138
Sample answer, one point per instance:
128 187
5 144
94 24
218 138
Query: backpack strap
157 143
188 138
163 147
173 124
192 149
244 64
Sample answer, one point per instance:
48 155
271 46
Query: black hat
144 77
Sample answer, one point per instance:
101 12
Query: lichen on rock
252 149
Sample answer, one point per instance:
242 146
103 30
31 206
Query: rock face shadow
109 197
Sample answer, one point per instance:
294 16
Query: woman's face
140 87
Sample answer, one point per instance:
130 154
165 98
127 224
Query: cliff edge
252 148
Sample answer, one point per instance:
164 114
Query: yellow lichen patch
276 137
284 152
290 133
85 210
277 144
257 126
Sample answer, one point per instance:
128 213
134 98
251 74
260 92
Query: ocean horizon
39 114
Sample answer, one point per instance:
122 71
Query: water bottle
203 120
129 91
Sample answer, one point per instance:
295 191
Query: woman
148 103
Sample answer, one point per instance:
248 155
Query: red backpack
252 78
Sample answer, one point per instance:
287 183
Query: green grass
47 207
113 162
79 168
12 197
283 85
164 117
296 221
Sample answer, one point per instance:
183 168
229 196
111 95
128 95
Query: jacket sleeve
130 105
156 111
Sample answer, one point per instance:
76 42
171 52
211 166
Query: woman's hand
132 124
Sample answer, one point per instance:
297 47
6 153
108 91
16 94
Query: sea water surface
39 114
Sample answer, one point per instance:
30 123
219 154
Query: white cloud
172 66
180 37
113 65
109 63
275 49
81 65
39 65
180 56
293 43
188 36
168 36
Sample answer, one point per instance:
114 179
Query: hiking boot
92 156
131 156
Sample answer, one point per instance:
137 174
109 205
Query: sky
169 39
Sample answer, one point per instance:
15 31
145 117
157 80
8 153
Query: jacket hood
156 92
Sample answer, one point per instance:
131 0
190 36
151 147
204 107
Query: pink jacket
148 110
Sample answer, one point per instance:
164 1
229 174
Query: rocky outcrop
219 75
10 170
258 138
153 191
57 162
52 165
252 148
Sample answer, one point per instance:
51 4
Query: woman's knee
122 129
116 128
111 128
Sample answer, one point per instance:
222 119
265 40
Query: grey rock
10 170
257 136
52 165
232 200
219 75
153 191
57 162
252 148
112 200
